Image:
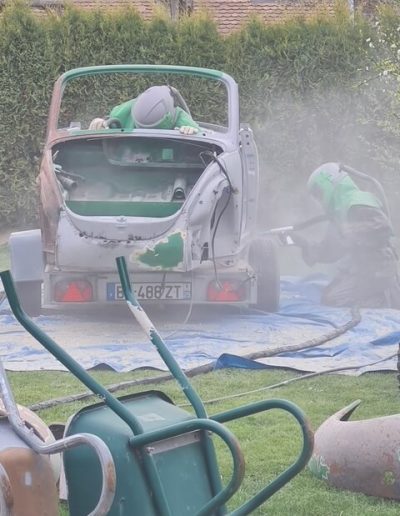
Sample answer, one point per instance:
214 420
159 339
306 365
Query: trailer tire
263 260
30 296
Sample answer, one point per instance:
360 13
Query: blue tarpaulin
219 335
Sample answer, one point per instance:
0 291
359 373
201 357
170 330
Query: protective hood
167 122
155 109
337 192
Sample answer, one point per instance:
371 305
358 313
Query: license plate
165 291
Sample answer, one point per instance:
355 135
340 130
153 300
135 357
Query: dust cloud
297 134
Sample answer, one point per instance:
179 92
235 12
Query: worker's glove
285 238
297 239
96 124
187 129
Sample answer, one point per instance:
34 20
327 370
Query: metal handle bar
77 370
105 458
187 389
62 356
156 339
291 471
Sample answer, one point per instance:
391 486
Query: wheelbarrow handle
108 474
293 469
156 339
173 366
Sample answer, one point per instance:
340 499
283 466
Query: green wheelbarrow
164 456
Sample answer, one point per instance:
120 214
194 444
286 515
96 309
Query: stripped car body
181 209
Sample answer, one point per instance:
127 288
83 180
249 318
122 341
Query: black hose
206 368
215 159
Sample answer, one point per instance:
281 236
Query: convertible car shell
181 209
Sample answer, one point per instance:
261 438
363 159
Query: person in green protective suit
158 107
359 237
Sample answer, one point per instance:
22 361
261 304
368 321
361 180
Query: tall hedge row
305 88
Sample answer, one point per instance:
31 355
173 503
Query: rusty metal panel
32 482
361 456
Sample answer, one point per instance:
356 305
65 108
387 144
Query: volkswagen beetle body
180 208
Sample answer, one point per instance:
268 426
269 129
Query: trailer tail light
73 291
225 291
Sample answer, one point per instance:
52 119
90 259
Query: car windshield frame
211 74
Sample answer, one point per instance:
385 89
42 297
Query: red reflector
76 291
225 291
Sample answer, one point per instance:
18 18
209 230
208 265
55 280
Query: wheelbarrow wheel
30 296
263 260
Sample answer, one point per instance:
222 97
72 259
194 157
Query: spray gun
284 232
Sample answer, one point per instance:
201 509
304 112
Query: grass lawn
270 441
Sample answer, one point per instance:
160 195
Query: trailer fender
26 255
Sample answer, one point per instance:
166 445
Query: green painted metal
319 467
172 437
230 440
126 208
190 393
182 70
180 461
63 357
166 253
293 469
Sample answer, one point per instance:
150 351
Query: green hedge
301 84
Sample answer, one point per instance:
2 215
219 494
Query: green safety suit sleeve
122 112
184 119
337 196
